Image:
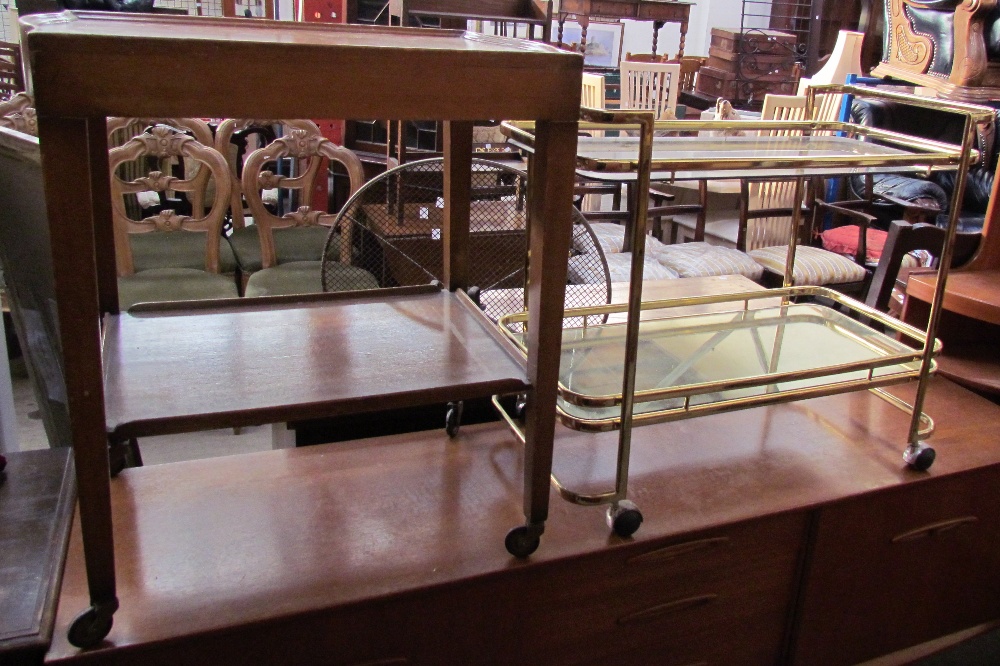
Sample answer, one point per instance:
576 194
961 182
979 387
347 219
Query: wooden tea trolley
619 375
234 363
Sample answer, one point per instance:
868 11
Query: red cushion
844 240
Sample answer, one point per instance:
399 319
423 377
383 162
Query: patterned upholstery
844 240
705 260
813 265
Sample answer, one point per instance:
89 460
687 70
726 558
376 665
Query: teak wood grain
233 559
199 369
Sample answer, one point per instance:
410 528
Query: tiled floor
155 450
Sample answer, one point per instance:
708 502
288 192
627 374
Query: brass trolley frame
908 154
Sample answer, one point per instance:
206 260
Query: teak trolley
226 364
701 364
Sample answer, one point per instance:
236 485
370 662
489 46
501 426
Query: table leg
680 46
656 33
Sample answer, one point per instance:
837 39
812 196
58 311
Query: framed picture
604 42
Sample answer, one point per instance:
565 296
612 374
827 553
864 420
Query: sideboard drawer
901 567
717 597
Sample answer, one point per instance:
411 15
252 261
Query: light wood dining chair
304 228
650 86
169 283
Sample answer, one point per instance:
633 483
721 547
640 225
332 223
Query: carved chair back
121 130
224 143
165 142
300 144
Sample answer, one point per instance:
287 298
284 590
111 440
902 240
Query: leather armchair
905 197
952 46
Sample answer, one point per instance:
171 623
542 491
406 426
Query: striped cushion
704 260
582 270
611 237
813 265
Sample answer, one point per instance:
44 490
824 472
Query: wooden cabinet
355 71
901 567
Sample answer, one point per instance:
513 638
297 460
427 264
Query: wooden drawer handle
934 528
677 550
663 609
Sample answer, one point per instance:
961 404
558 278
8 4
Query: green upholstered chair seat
173 284
177 249
304 277
290 245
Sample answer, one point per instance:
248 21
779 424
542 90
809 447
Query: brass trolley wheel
624 518
919 456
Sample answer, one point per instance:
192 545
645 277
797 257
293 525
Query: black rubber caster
453 419
521 407
919 456
520 542
90 627
624 518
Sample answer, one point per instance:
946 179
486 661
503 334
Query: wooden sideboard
791 534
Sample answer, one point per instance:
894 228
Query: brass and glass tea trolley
763 347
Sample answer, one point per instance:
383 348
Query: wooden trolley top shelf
191 369
375 72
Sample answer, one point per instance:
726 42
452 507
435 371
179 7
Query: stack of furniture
321 356
746 66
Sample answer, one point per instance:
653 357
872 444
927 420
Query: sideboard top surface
210 544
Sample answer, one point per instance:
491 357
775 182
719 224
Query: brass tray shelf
674 389
705 363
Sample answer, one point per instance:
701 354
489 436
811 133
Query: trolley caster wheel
919 456
521 407
90 627
521 543
624 518
453 419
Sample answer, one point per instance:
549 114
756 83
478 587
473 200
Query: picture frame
604 41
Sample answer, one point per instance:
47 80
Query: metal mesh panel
392 228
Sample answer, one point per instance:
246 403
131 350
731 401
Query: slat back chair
11 71
300 275
767 209
689 70
650 86
761 229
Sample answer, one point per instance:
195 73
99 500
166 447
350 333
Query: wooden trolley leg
69 187
550 200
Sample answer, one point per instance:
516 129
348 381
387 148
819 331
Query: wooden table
768 532
37 495
660 12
